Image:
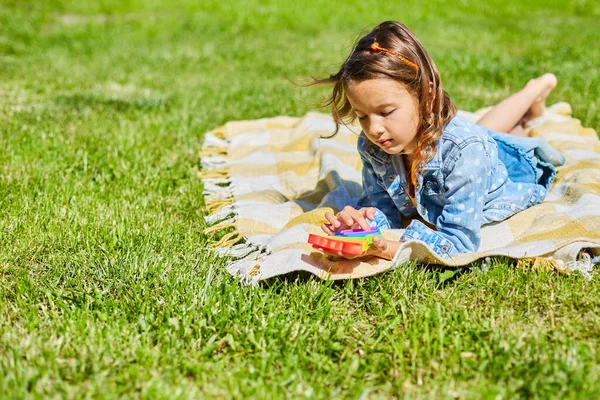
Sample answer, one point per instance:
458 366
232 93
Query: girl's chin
393 150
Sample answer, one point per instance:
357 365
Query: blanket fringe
213 206
217 181
213 173
540 263
215 192
220 216
212 140
213 162
248 270
241 250
583 265
213 151
228 240
219 133
219 227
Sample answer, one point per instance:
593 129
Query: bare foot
544 86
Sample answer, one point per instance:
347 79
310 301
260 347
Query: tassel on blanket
213 162
215 205
210 140
248 270
584 265
219 133
228 240
213 173
213 151
218 227
242 250
222 216
539 264
217 181
213 192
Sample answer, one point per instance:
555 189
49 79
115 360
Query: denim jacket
476 177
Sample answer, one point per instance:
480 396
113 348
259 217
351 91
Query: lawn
106 286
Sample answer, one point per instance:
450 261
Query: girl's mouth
385 143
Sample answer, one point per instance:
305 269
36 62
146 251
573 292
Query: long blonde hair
405 60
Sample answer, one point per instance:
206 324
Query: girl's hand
348 218
381 247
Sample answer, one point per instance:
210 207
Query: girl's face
387 112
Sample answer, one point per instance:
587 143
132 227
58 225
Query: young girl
422 161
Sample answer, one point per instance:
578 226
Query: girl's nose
376 128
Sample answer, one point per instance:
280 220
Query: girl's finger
357 217
361 221
346 217
364 225
333 220
380 243
328 229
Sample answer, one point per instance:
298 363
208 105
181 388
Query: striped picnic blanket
268 183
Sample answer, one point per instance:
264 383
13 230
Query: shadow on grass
442 275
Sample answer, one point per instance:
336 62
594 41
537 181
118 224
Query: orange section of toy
338 244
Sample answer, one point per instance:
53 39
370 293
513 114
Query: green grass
106 286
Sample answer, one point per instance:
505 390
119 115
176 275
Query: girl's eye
361 118
385 114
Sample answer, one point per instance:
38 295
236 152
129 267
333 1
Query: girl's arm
386 214
459 224
374 205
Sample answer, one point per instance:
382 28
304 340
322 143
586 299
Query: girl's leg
528 103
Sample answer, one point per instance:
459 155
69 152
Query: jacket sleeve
374 195
459 224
